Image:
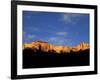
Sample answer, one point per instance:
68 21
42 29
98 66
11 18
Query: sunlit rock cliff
45 46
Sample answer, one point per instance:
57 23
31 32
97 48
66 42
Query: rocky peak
81 46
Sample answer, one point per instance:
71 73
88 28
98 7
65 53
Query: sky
64 29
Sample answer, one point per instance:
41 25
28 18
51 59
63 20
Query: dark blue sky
56 28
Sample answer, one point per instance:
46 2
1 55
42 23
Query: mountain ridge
45 46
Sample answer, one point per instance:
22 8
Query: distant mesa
46 47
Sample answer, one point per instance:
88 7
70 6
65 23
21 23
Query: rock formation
45 46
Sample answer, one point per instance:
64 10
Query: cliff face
45 46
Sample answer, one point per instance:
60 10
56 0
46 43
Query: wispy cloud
35 29
60 41
57 40
52 39
62 33
30 36
67 18
70 18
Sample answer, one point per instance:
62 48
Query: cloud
60 41
62 33
35 29
70 17
52 39
30 37
67 18
24 32
57 40
32 28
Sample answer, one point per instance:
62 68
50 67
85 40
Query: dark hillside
40 59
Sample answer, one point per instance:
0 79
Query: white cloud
35 29
62 33
52 39
70 17
57 40
60 41
67 18
30 36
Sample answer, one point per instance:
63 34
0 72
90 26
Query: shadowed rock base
40 59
